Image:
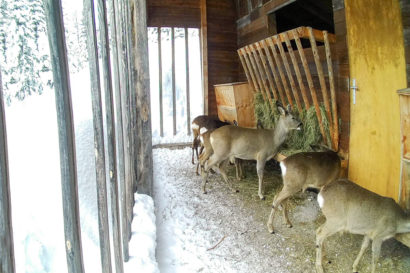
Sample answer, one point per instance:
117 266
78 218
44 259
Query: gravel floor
226 232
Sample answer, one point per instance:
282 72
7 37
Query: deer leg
277 201
285 214
204 175
376 247
324 231
260 166
201 152
225 176
212 161
365 244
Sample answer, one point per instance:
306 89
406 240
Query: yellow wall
376 57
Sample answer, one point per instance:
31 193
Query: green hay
297 141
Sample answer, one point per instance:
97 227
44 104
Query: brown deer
249 144
351 208
301 171
203 121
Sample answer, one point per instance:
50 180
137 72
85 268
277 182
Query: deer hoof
289 225
262 197
204 192
271 230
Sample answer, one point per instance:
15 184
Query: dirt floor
224 231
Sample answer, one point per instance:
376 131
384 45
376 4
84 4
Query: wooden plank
256 72
69 186
7 263
125 105
110 125
96 102
188 102
335 132
279 66
311 88
117 47
267 71
145 177
275 75
161 108
321 79
297 72
247 73
204 54
242 52
174 103
261 73
289 73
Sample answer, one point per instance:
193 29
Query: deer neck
280 133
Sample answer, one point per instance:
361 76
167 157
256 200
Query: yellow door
376 57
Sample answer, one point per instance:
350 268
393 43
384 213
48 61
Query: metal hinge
354 88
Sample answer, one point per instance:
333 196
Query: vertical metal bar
321 77
289 72
335 133
310 84
111 146
188 102
174 104
117 49
141 83
55 30
124 99
98 137
161 110
7 263
275 75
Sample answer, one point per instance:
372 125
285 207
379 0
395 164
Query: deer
249 144
301 171
203 121
351 208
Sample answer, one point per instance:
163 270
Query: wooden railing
268 70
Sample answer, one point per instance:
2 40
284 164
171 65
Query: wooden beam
96 102
7 263
110 125
188 97
267 71
119 78
247 73
335 132
174 95
204 54
250 69
141 68
69 186
161 108
256 72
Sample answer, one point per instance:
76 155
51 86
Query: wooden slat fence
272 68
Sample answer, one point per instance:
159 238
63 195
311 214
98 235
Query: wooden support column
7 263
69 186
111 146
140 57
98 137
174 95
204 54
161 108
188 102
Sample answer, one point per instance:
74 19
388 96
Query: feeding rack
266 62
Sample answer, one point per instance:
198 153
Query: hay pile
297 141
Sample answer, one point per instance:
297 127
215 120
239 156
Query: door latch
354 89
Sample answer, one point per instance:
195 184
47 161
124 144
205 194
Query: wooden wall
405 14
173 13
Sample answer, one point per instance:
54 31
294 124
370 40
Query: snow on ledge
143 240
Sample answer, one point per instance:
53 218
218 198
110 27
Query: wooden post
245 68
98 138
321 79
141 68
289 72
124 99
161 110
297 71
111 146
204 54
275 75
55 30
335 133
7 263
256 72
279 66
188 102
311 86
117 40
174 103
250 69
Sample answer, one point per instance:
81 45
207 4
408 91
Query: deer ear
289 108
281 110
